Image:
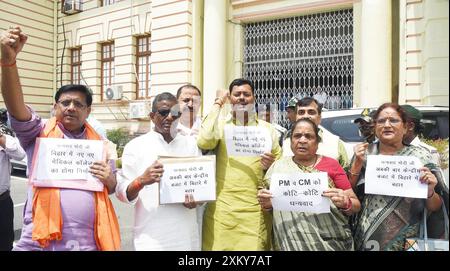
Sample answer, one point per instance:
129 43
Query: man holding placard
160 227
245 147
58 218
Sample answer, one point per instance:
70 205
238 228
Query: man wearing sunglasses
168 227
58 218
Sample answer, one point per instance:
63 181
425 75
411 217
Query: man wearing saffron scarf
57 218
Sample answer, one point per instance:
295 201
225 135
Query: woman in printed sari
310 231
386 221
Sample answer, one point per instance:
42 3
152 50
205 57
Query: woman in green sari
311 231
385 222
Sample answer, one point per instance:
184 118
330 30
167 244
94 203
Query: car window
435 124
343 127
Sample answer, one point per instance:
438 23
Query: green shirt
235 220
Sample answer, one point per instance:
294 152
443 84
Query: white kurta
158 227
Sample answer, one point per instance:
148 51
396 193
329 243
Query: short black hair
165 96
188 86
240 82
309 100
79 88
312 123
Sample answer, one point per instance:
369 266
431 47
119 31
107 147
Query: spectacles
391 121
175 113
76 104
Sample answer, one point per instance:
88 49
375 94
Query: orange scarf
47 219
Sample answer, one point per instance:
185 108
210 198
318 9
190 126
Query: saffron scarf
47 218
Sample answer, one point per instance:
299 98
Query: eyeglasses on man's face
76 104
175 113
393 121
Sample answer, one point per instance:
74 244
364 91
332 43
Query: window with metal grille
75 66
108 2
301 56
143 54
107 65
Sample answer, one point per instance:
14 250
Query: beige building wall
36 62
184 51
424 52
170 25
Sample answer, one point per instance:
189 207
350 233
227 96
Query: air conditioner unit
138 110
113 93
72 6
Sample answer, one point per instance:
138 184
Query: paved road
125 213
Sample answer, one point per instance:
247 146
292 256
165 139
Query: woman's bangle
8 65
353 173
434 192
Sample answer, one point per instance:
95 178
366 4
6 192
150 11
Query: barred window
75 66
107 65
143 54
108 2
301 56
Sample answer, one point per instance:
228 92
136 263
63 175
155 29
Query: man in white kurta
158 227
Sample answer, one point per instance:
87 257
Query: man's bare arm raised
12 41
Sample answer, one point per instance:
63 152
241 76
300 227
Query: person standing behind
291 114
9 148
414 129
331 145
158 227
58 218
235 221
189 98
266 113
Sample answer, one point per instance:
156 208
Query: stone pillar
214 51
375 59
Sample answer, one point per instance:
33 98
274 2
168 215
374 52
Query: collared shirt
331 146
193 131
12 150
235 220
158 227
77 206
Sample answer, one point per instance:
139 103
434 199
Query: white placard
300 192
394 176
247 140
196 175
66 162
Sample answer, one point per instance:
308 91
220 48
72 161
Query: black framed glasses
76 104
174 112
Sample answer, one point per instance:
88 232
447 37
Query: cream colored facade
201 42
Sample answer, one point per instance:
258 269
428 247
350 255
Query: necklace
311 165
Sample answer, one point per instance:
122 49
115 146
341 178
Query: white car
19 164
340 123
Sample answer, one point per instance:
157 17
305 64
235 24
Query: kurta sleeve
209 133
127 174
13 148
343 158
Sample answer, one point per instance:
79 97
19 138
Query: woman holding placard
386 221
304 230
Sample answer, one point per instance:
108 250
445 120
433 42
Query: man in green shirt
235 220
